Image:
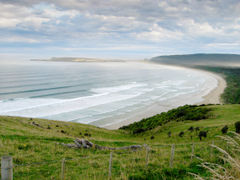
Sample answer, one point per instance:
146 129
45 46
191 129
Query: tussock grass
229 154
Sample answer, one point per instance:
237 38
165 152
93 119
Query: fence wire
146 155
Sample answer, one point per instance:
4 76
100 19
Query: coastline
212 97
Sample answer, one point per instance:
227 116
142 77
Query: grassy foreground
37 154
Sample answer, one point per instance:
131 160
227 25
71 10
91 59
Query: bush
237 126
191 129
181 134
187 112
137 131
64 132
87 134
169 134
202 134
224 129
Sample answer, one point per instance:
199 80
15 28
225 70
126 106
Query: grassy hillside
37 153
198 59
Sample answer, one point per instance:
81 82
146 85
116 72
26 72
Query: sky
122 29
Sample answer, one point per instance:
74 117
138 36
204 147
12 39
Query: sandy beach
212 97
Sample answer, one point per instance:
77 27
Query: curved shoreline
212 97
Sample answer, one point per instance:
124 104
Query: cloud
174 26
15 16
158 34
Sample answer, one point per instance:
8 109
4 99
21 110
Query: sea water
90 92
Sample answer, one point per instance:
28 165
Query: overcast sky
118 28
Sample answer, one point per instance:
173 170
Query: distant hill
199 59
77 59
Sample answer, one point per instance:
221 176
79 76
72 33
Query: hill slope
199 59
38 155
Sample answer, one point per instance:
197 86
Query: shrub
87 134
202 134
62 131
237 126
169 134
181 134
187 112
191 129
137 131
224 129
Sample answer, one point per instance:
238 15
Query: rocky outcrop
83 143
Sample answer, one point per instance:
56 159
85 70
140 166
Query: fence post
172 155
147 155
212 149
63 169
110 167
192 152
7 168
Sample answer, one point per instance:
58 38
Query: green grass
38 154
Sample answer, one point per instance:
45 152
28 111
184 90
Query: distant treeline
187 112
198 59
231 93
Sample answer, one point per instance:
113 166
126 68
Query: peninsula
78 59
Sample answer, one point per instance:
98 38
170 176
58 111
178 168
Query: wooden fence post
63 169
7 168
212 150
147 155
110 167
192 155
172 155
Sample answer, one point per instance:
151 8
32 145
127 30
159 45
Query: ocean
94 93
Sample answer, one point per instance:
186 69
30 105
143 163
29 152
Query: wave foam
48 107
115 89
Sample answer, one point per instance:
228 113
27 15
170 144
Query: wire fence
117 163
